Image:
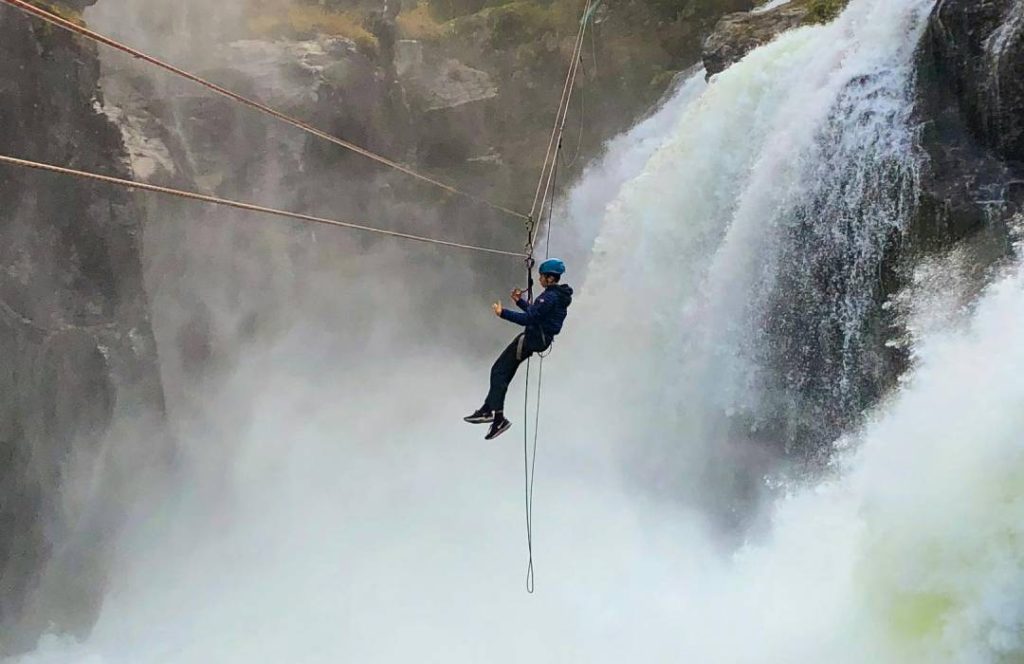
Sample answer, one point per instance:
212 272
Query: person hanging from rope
543 320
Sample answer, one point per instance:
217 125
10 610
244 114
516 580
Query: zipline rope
546 185
563 105
190 195
71 26
558 131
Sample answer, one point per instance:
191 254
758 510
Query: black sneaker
482 416
499 426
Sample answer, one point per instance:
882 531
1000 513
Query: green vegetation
299 20
516 23
419 23
60 9
823 11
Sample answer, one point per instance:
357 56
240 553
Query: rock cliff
78 370
971 109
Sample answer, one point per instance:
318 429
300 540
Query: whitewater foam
347 529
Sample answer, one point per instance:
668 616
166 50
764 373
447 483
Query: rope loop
531 227
529 275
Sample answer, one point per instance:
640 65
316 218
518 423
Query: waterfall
731 314
749 252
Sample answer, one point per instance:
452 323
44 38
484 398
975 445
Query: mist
326 502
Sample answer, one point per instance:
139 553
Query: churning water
729 300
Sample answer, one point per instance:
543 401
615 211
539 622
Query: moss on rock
824 11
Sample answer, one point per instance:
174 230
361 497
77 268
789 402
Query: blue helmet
552 266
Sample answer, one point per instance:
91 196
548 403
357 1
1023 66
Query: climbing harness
73 27
544 195
191 195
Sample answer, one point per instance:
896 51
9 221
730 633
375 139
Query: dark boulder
737 34
977 47
971 111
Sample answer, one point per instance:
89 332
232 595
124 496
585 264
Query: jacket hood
564 291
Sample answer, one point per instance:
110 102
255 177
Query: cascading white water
770 5
355 524
625 158
795 163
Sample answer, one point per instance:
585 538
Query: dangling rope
530 461
73 27
583 108
579 138
545 185
214 200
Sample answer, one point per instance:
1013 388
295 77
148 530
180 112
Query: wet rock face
77 5
207 270
978 45
737 34
77 358
971 111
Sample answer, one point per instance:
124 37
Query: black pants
505 367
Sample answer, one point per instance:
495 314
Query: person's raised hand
497 308
517 294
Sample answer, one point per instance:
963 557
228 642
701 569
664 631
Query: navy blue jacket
543 319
